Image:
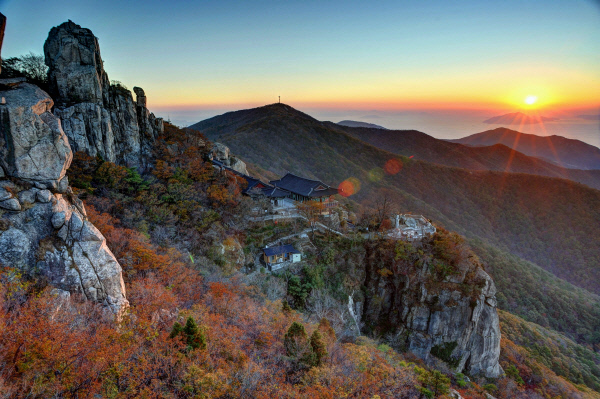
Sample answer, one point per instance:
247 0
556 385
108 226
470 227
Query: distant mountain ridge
518 118
568 153
350 123
496 157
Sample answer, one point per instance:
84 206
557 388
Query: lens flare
349 187
392 166
376 174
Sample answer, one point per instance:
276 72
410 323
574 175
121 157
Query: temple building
288 190
302 190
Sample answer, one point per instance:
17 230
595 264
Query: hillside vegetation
553 223
543 348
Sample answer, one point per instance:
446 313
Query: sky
408 64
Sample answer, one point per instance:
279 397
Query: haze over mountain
498 157
518 118
359 124
562 151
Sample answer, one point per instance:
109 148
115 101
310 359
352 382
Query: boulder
33 146
11 204
221 153
28 196
4 194
44 196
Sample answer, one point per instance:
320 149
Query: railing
331 204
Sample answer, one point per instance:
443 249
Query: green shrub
444 352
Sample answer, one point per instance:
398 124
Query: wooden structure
281 253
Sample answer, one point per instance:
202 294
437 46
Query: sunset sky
197 58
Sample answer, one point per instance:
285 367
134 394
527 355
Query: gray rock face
99 118
221 153
45 231
429 316
33 146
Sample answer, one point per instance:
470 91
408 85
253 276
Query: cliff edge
44 230
436 300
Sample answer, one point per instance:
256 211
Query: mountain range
184 243
552 222
496 156
568 153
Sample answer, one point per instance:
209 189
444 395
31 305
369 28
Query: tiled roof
305 187
281 249
274 192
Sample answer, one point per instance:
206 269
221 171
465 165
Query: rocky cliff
99 118
43 227
435 300
221 153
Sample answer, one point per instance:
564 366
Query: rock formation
454 319
99 118
221 153
43 227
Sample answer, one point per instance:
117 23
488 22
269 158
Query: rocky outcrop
33 146
99 118
44 230
221 153
449 314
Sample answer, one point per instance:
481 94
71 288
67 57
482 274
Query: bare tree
384 208
321 305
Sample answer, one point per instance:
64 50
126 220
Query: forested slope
551 222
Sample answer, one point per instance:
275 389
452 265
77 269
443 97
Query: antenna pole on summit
279 99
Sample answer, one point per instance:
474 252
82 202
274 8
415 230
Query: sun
530 100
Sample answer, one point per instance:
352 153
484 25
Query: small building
281 253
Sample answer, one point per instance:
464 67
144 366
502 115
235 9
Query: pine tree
192 335
318 347
295 339
177 329
298 347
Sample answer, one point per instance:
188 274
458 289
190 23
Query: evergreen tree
318 347
295 339
177 329
298 347
191 334
194 336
